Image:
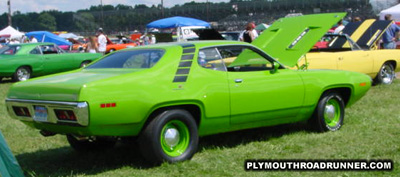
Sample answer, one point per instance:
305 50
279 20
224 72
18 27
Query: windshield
9 50
145 58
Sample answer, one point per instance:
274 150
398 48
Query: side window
210 58
246 59
49 49
36 51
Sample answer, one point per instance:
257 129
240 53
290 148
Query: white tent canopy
14 34
394 11
68 35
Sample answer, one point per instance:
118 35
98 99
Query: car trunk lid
61 87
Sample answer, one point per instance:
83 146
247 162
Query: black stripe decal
180 78
181 71
189 50
185 63
351 28
369 33
187 57
187 45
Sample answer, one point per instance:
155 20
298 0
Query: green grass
371 131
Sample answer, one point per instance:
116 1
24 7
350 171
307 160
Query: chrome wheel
22 74
387 74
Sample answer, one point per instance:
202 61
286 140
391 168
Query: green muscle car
23 61
168 95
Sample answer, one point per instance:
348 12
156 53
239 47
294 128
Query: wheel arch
391 61
195 108
344 91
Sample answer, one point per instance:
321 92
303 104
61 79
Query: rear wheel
111 50
88 144
170 137
386 74
84 64
1 78
329 114
22 73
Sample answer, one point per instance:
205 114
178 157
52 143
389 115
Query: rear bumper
80 109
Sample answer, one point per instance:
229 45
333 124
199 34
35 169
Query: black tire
150 138
111 50
88 145
84 64
386 74
322 119
1 79
22 73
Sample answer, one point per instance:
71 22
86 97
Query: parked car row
169 95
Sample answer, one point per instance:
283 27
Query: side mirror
275 68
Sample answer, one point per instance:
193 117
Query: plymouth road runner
168 95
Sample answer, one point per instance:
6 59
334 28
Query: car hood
61 87
288 39
365 33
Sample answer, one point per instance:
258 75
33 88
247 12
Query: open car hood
365 33
288 39
208 34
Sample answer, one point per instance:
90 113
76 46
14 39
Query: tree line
128 18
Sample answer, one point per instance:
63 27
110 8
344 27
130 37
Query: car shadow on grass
65 161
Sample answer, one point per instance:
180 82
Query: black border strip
187 57
182 71
180 78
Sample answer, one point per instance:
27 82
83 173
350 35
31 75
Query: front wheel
386 74
22 73
170 137
329 114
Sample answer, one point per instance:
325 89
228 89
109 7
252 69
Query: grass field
371 131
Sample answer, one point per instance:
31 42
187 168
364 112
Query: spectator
248 35
339 28
389 38
92 46
356 19
33 39
102 41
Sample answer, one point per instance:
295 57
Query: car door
54 62
256 93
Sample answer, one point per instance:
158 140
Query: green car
23 61
168 95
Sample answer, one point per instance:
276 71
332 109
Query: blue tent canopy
174 22
45 36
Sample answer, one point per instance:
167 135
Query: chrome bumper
80 109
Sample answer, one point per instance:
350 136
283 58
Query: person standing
33 40
339 28
102 41
92 46
247 35
389 38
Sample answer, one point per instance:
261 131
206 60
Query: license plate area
41 114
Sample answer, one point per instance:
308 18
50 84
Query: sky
73 5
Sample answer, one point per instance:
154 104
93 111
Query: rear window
145 58
9 50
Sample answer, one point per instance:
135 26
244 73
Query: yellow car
355 50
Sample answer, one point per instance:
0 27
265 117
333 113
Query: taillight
21 111
68 115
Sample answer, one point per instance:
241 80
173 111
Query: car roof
198 44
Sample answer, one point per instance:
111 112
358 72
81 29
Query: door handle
238 80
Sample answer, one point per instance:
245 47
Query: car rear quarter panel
318 81
385 55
